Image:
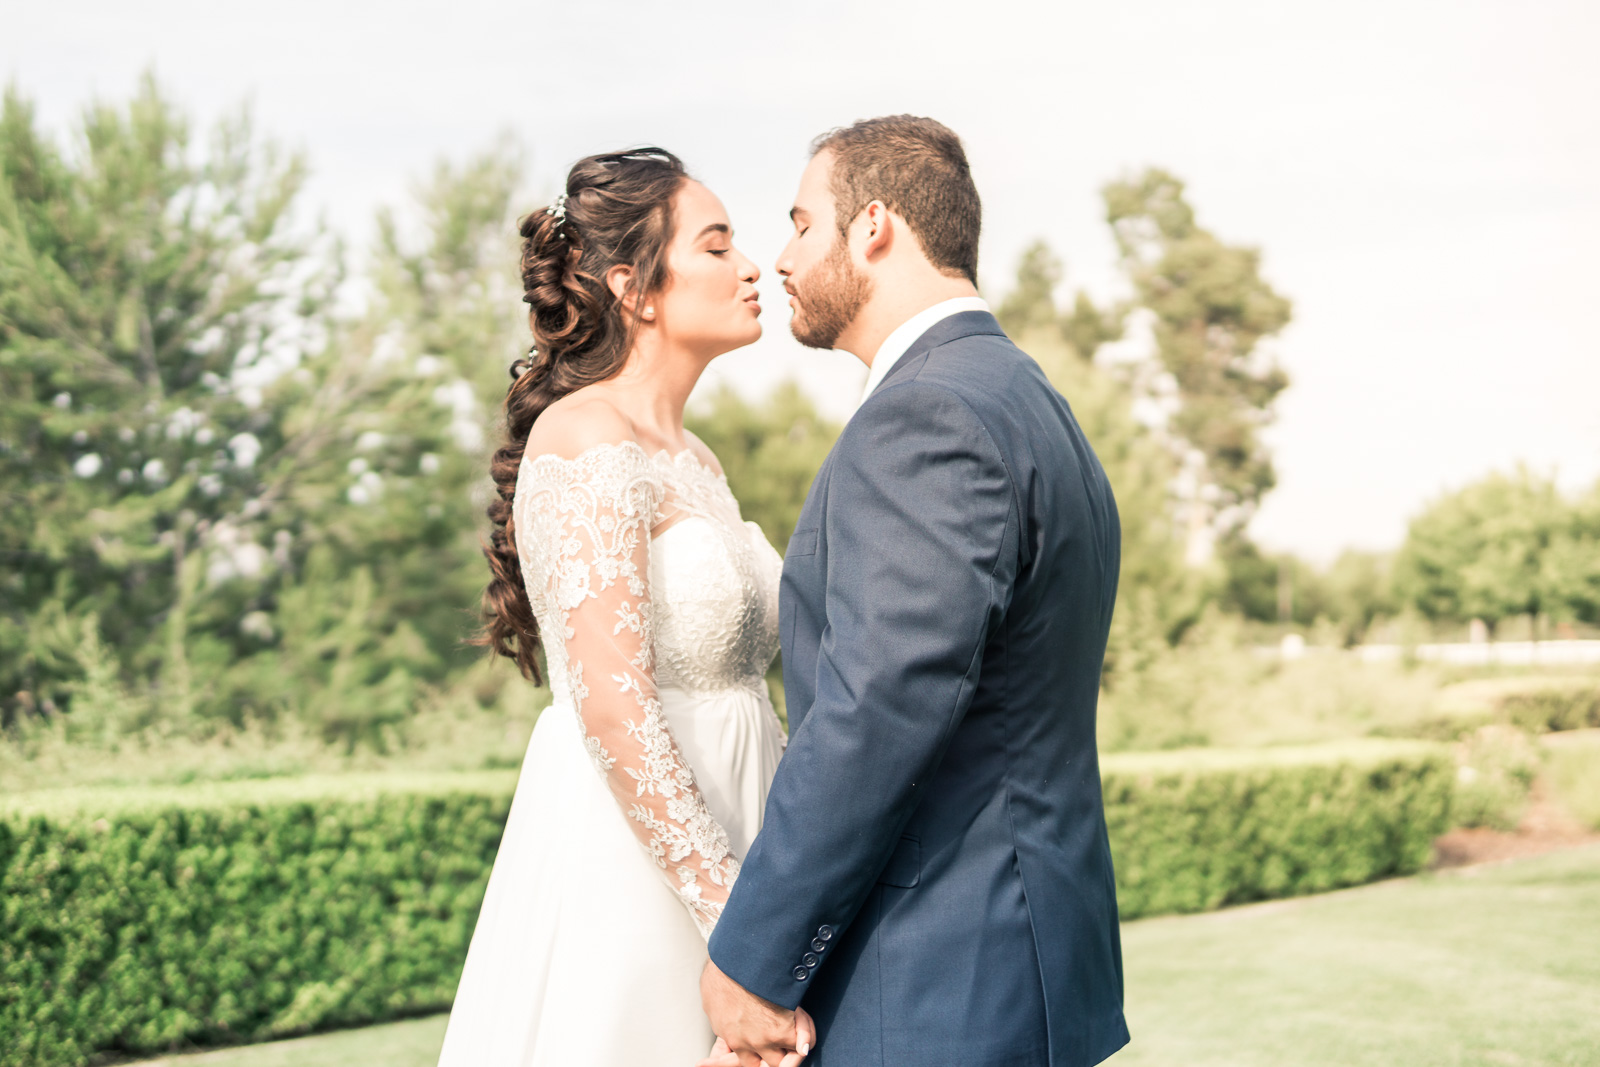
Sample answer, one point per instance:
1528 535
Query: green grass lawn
1492 965
413 1043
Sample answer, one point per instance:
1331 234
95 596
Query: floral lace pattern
583 529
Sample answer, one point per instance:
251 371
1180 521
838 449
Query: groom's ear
876 227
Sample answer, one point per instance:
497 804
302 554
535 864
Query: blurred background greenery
243 470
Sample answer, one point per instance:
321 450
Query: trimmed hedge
138 921
1537 703
1199 829
142 920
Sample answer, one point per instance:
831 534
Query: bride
618 548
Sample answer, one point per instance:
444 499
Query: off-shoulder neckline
672 458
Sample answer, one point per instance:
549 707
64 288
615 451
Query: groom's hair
918 168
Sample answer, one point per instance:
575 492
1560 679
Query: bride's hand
805 1036
719 1056
805 1039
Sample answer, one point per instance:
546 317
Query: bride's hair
616 210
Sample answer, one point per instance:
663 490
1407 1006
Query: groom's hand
755 1030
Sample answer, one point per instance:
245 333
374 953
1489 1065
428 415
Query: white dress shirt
894 346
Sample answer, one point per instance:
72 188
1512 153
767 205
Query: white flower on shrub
183 422
458 396
87 465
155 472
80 437
125 477
233 554
427 366
429 463
245 448
370 440
204 436
211 484
62 400
368 488
257 624
389 347
126 435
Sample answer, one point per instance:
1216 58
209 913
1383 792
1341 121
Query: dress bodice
643 577
714 581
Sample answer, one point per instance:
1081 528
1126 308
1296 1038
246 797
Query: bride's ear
619 280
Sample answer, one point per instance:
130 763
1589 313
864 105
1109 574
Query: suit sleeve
921 542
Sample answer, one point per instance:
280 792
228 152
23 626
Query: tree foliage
1209 309
233 499
1030 308
1506 545
770 451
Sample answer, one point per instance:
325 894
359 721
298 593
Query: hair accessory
558 211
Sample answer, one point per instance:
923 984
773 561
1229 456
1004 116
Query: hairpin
558 211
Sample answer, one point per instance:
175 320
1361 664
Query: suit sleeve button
817 944
825 933
809 959
800 974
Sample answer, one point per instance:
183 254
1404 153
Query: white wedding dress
644 781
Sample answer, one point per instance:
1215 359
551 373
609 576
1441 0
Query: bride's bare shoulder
576 423
704 454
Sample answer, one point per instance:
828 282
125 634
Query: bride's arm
599 538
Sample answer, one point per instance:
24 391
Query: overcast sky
1422 177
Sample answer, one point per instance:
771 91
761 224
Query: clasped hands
751 1031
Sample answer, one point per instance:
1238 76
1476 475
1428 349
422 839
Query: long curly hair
618 212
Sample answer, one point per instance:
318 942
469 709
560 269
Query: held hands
752 1031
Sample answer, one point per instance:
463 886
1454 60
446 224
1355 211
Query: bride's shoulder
577 424
702 453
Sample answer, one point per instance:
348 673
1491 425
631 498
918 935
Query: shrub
1574 773
1536 703
1495 770
1198 829
141 920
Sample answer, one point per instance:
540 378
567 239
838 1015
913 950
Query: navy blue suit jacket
933 877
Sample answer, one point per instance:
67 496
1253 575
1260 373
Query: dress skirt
583 953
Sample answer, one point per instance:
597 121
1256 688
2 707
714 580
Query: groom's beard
830 296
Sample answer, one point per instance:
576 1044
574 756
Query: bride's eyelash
718 251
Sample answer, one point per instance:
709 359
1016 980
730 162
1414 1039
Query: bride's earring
649 312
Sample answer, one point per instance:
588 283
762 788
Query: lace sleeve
594 523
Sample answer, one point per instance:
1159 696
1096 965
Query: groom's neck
895 299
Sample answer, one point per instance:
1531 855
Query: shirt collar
897 343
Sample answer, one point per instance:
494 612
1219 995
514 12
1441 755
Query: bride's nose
748 271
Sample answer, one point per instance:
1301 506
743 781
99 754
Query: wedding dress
644 781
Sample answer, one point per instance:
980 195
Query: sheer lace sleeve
588 536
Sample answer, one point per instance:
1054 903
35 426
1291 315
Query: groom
932 880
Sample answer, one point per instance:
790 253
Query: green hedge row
1536 703
138 921
1199 829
